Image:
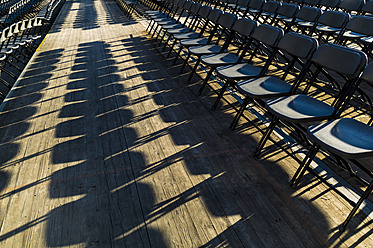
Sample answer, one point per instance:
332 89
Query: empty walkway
103 144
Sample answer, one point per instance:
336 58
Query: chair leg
165 44
304 165
178 54
171 49
205 81
367 192
193 70
265 137
240 112
220 96
184 64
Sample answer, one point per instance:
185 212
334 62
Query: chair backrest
367 8
310 14
243 3
335 19
361 25
204 11
245 26
329 4
268 35
351 5
344 60
195 8
311 2
214 15
271 6
298 45
227 20
288 10
256 4
187 5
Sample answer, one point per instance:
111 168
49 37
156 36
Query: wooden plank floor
102 144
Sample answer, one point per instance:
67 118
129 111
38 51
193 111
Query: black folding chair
346 138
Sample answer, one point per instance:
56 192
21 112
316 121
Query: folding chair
346 138
358 32
329 23
254 7
267 11
351 6
329 4
265 39
308 25
285 11
305 18
211 26
244 28
199 47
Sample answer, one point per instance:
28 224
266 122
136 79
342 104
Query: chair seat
327 29
368 39
6 50
194 42
2 57
306 24
353 35
238 71
299 108
178 30
345 137
172 26
204 50
215 60
164 20
158 16
264 87
153 12
288 20
267 14
190 35
282 17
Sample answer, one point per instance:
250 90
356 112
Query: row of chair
19 41
254 72
327 26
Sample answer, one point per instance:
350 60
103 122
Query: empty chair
329 4
351 6
268 10
265 38
307 26
299 49
243 27
302 108
254 8
304 20
367 8
285 11
358 31
226 21
240 7
346 138
187 42
200 24
188 23
329 23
